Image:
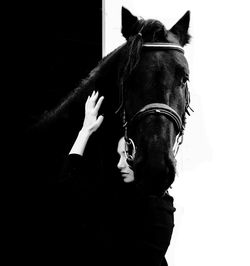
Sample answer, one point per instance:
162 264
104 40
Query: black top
101 226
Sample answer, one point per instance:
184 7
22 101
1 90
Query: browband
162 45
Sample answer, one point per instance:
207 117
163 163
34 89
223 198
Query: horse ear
128 21
180 29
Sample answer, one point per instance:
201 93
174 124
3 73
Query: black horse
150 68
144 82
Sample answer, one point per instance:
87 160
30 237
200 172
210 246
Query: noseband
155 109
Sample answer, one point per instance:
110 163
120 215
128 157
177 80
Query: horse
146 99
144 82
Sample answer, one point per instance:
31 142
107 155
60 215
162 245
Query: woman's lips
124 173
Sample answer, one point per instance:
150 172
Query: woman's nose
120 164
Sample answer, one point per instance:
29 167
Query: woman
138 232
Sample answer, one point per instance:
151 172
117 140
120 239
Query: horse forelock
144 31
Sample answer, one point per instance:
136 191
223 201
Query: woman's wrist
85 132
80 142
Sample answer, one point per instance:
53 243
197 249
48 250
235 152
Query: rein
156 109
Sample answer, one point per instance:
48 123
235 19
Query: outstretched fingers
90 103
98 104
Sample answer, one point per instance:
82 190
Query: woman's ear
128 21
180 29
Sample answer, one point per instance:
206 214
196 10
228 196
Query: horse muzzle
154 173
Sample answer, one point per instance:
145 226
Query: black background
50 49
59 46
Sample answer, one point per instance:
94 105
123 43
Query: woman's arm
91 123
71 170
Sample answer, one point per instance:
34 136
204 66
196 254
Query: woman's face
126 172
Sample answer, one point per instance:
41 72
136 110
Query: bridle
155 109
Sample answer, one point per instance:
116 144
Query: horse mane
85 87
48 140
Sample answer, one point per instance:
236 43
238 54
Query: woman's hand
92 121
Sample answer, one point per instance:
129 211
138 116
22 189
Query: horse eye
182 76
184 80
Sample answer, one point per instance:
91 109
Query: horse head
154 97
145 82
